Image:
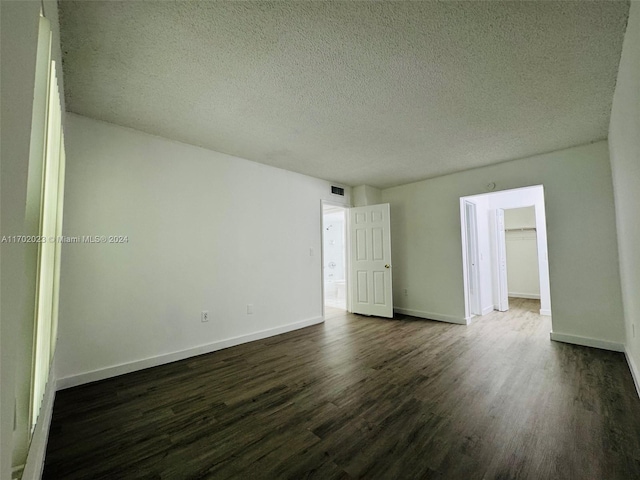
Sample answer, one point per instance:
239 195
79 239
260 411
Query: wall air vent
337 190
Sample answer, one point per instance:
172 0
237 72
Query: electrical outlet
204 316
406 292
249 309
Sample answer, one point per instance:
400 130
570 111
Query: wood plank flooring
362 397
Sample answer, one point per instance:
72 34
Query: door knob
387 266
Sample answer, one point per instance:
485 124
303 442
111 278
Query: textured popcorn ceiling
356 92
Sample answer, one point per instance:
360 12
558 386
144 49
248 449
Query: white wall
206 231
584 277
624 145
522 264
19 36
19 31
364 195
523 217
522 252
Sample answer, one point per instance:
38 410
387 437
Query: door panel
378 286
371 260
362 281
473 270
361 244
378 243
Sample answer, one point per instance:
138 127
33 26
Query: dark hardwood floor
361 397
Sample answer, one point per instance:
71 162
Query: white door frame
346 251
501 259
507 199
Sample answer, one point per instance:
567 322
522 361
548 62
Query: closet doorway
521 276
510 255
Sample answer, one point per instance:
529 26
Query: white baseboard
432 316
485 311
17 471
488 309
587 342
533 296
114 371
635 373
545 311
34 464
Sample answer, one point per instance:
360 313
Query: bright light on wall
48 265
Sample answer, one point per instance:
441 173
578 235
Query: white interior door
473 271
370 269
503 286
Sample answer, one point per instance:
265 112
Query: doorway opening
521 250
504 250
334 259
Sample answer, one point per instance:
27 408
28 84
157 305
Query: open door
503 288
370 270
473 270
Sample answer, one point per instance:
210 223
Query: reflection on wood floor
363 397
332 312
